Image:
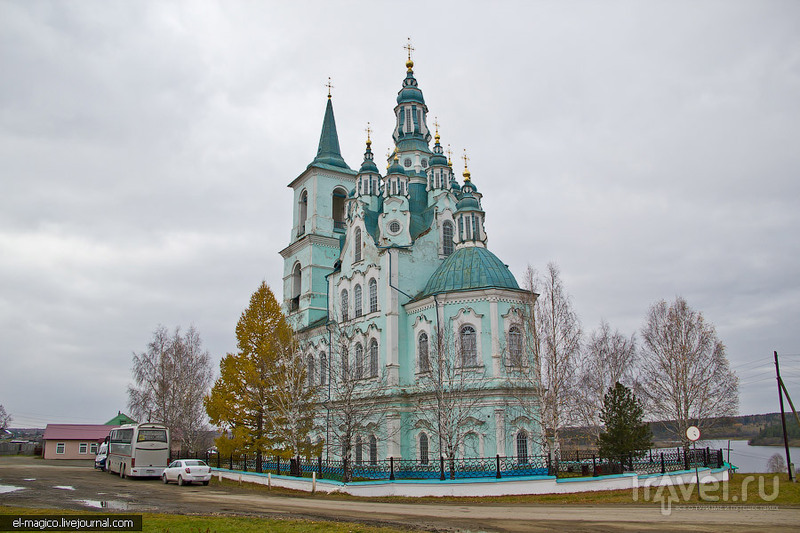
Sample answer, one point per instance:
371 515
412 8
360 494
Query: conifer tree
625 430
249 400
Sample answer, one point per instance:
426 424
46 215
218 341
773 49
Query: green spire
328 152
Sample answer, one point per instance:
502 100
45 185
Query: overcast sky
650 149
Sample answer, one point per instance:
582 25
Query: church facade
393 291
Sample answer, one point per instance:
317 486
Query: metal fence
573 464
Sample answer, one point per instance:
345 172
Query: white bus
138 450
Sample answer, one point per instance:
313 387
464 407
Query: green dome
468 268
468 203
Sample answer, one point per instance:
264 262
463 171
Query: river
750 458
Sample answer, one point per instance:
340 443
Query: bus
138 450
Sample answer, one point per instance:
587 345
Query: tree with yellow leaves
261 399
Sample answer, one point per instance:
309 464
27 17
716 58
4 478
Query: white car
185 471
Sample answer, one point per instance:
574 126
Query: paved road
59 486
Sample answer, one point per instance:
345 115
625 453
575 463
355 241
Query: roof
120 419
86 432
468 268
328 153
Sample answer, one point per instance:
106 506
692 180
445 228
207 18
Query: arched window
422 344
310 375
359 451
373 296
373 358
522 447
423 448
357 246
344 303
447 237
345 364
359 361
294 303
302 213
471 445
337 209
359 309
373 450
323 368
469 347
514 346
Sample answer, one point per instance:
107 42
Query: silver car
185 471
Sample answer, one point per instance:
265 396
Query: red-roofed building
73 441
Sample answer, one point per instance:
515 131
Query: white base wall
478 487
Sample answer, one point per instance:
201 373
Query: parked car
185 471
100 458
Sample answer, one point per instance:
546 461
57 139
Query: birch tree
608 358
5 418
543 384
170 380
686 377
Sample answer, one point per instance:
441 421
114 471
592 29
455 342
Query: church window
461 228
424 163
359 361
447 237
409 123
357 250
359 450
407 162
301 219
471 445
522 447
394 227
358 311
310 372
294 303
345 316
373 450
423 448
323 368
468 225
422 343
345 364
337 209
373 358
373 296
469 348
515 346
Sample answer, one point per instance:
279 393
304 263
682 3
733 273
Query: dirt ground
29 482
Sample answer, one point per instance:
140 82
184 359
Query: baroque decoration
392 289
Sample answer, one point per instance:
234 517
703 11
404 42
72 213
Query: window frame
358 307
472 346
373 295
423 356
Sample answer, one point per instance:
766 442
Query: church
398 302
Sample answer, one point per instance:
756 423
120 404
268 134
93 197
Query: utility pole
783 419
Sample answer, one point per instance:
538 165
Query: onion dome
369 161
438 157
396 167
410 91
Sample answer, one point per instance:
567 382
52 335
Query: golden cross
449 155
465 158
368 130
329 86
436 124
409 48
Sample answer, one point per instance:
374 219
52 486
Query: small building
73 441
120 420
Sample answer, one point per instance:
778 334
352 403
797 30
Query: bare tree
544 382
5 418
685 374
355 400
608 358
170 380
449 392
776 464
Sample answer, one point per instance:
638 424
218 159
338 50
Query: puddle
9 488
116 505
29 479
64 487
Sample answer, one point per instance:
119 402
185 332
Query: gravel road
28 482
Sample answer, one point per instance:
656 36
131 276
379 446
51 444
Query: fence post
278 465
706 457
497 468
630 461
319 466
594 465
685 459
720 458
391 468
441 468
244 463
218 458
663 468
549 471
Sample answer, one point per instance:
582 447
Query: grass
165 523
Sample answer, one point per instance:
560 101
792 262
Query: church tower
320 193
